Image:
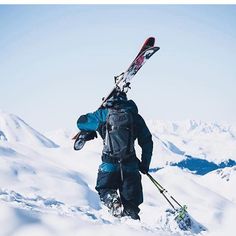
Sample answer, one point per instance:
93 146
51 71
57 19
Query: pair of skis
122 83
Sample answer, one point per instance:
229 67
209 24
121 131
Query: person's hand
88 135
143 168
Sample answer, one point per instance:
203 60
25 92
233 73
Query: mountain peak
14 129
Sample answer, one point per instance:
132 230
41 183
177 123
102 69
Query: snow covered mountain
192 127
50 191
14 129
212 142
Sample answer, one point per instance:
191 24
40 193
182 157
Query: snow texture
46 188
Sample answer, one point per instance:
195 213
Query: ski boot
130 213
113 203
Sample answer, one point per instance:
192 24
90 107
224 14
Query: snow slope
222 181
14 129
50 191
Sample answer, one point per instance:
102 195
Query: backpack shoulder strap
131 133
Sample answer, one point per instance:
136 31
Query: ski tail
138 63
150 42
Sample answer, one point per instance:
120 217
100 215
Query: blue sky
58 61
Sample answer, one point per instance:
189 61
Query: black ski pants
130 188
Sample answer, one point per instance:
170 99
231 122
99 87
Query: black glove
88 135
82 138
143 168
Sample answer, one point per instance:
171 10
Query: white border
118 2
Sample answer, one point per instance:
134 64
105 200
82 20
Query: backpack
119 136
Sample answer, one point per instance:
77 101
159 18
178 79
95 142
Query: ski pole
163 191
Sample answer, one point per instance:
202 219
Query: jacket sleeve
92 121
145 141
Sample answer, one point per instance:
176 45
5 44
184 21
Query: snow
47 188
198 139
14 129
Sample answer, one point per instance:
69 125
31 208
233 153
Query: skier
119 124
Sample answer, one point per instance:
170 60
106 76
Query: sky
58 61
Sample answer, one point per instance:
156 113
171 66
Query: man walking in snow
119 124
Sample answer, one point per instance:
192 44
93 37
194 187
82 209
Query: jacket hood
125 104
130 104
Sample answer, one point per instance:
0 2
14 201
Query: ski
122 82
150 42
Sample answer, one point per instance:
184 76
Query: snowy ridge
192 126
164 152
14 129
198 139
